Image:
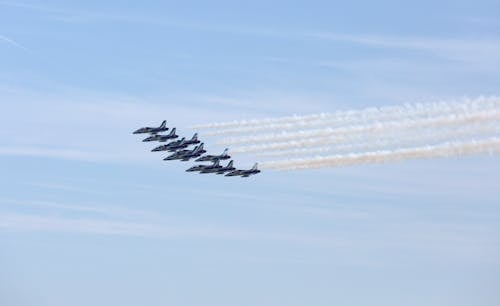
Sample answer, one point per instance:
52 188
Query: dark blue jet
168 146
153 130
185 155
227 168
213 158
202 167
162 138
178 144
196 152
212 168
244 173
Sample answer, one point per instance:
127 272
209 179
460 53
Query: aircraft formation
179 150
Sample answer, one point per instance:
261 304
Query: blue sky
88 216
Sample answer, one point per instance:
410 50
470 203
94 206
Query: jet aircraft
244 173
178 144
162 138
212 158
153 130
212 168
185 144
203 167
196 152
197 168
168 146
186 155
227 168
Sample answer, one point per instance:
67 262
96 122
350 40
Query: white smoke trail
353 116
419 137
376 127
372 135
489 145
452 131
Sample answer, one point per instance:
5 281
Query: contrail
352 116
448 149
375 127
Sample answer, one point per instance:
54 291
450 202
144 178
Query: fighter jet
196 152
227 168
203 167
186 155
170 145
244 173
193 140
162 138
212 158
185 144
197 168
153 130
212 168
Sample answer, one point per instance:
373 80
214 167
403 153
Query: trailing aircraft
244 173
153 130
186 155
212 158
162 138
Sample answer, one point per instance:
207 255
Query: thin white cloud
475 50
12 42
461 49
58 224
44 152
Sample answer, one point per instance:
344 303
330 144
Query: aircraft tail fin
199 148
163 124
255 166
230 164
195 136
216 162
225 152
172 132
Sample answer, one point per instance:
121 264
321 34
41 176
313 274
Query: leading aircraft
153 130
244 173
213 158
162 138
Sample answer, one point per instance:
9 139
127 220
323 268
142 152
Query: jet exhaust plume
392 140
375 127
340 118
371 135
448 149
